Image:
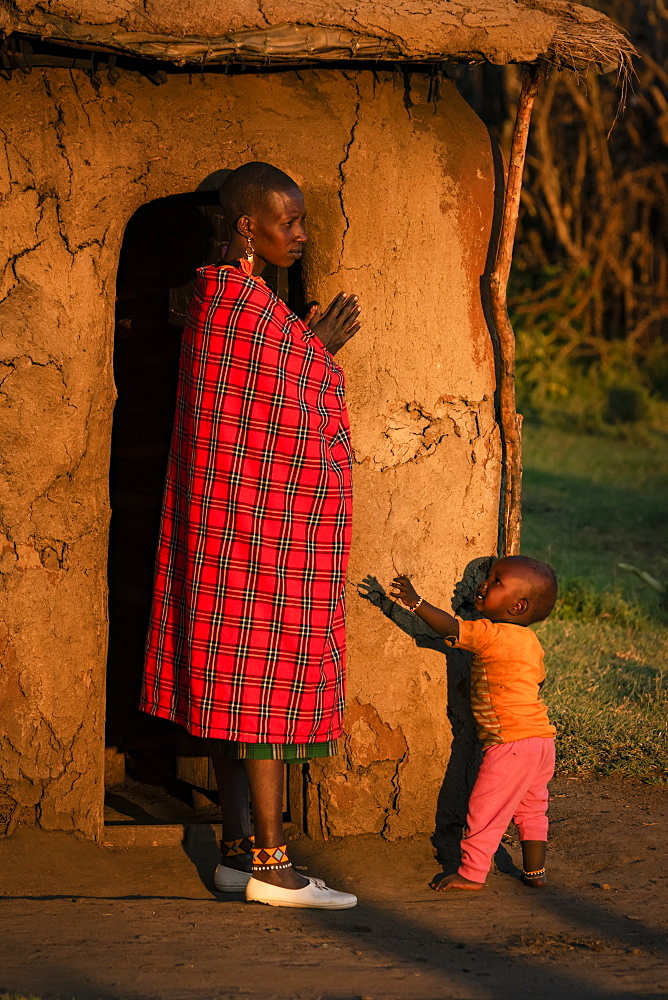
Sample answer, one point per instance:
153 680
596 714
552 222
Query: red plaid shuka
247 638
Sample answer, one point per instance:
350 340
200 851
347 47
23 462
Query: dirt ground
143 923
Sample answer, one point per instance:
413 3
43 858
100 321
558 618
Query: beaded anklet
266 859
232 848
534 874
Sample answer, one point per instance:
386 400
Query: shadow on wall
465 757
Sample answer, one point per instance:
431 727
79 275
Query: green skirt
234 750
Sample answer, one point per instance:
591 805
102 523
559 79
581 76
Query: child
518 741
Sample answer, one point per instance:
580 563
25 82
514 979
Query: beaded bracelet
416 606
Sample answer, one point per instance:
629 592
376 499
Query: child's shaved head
541 583
248 189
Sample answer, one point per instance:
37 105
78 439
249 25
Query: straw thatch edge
572 48
577 44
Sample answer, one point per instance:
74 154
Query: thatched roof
296 31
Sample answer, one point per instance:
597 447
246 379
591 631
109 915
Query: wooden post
511 495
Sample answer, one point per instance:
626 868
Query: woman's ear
243 226
519 608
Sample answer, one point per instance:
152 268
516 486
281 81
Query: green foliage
608 697
569 377
587 385
17 996
581 600
656 370
590 505
22 996
588 508
587 294
625 404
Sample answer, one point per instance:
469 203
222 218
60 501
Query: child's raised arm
441 622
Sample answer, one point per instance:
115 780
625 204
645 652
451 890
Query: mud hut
118 119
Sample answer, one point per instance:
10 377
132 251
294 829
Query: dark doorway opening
155 772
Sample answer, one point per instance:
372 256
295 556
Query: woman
247 639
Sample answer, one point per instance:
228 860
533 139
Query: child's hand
404 590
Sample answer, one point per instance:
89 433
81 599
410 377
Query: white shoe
226 879
230 879
315 895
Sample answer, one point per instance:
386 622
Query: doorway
155 772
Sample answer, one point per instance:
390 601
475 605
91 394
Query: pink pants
511 784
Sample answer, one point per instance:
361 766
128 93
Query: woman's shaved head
248 189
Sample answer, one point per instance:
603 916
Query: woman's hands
338 323
405 591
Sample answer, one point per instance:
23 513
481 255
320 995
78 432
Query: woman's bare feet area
240 862
287 878
454 883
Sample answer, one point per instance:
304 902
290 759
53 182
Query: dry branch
511 507
591 259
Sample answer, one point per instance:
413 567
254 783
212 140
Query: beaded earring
250 253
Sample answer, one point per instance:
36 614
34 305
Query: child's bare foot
535 881
533 863
454 883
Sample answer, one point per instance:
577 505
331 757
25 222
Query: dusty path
93 924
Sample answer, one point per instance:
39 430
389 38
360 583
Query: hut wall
400 203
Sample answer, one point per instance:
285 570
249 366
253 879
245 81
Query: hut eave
561 34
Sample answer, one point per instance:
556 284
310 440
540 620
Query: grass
21 996
17 996
591 503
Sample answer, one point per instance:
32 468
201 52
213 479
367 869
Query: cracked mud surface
495 30
143 923
401 202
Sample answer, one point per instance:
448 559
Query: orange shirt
506 670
